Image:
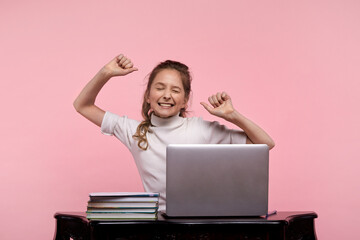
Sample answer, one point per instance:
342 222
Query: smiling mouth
166 104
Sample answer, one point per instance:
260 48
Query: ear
147 97
185 103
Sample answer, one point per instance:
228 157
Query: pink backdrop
290 66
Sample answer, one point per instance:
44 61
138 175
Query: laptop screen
217 179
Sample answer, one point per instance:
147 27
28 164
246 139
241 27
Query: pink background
290 66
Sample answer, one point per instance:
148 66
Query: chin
164 115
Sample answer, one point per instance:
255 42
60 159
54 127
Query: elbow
271 144
77 106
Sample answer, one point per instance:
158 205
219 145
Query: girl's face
167 95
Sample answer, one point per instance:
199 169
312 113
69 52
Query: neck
168 121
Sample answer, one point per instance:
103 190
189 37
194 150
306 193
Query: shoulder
194 119
202 125
113 117
201 121
112 122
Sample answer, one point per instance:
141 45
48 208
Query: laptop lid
217 180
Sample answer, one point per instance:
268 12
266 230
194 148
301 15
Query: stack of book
122 205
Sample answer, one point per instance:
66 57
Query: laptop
217 180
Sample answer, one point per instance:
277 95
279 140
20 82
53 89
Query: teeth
165 104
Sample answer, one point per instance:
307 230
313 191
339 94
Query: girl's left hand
221 105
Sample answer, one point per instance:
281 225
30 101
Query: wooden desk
283 225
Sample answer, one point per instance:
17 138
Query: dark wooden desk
283 225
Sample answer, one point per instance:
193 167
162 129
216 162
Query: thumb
207 107
130 70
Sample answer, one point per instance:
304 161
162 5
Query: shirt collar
173 121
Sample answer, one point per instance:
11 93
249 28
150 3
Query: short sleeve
215 133
121 127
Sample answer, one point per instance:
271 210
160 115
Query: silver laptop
228 180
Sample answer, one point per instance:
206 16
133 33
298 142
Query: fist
221 105
119 66
124 62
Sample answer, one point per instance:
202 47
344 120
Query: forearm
255 133
89 93
85 102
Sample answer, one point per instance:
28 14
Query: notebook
217 180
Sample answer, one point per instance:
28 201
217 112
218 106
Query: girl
164 111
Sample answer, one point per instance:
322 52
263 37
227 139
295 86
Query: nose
167 95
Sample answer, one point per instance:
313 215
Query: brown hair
144 126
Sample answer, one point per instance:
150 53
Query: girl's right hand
119 66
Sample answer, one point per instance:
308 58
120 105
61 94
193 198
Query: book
123 204
124 194
121 210
124 197
111 215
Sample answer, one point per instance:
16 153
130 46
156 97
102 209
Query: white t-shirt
151 163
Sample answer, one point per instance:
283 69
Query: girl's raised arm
221 106
85 102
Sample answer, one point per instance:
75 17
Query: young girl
164 111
